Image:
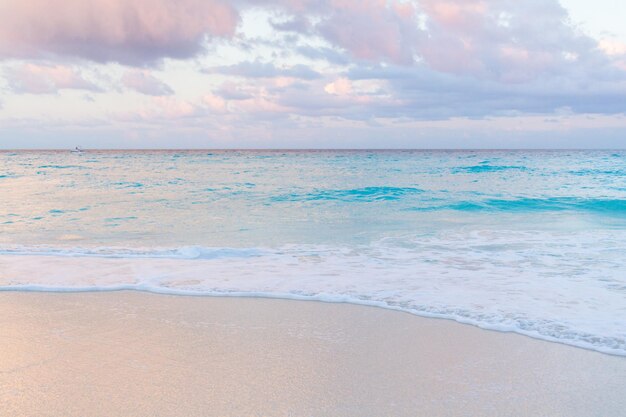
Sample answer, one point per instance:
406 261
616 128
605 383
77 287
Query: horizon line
303 149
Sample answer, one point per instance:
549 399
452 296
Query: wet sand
138 354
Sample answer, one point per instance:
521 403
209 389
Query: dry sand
137 354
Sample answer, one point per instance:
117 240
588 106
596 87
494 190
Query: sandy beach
140 354
289 208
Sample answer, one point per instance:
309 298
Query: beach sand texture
141 354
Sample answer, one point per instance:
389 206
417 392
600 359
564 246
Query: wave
185 252
486 168
365 194
127 184
598 172
600 206
565 288
63 167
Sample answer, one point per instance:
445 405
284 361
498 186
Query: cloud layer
126 31
293 64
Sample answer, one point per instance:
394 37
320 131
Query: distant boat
77 150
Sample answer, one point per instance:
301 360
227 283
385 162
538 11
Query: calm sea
527 241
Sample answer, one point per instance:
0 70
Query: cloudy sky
312 73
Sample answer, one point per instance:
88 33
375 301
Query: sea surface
532 242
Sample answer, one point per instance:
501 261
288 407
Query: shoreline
43 289
139 353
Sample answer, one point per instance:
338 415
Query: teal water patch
363 195
485 168
601 206
127 184
598 172
8 174
62 166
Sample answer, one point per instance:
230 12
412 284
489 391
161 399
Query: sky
312 74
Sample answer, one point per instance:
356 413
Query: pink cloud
161 108
46 79
173 108
126 31
214 103
466 15
261 106
612 47
339 87
144 82
615 50
372 29
505 40
367 29
508 41
170 109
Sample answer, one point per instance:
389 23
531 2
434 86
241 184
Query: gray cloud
45 79
230 91
259 69
323 53
294 24
145 83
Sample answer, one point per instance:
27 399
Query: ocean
532 242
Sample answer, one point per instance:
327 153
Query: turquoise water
526 241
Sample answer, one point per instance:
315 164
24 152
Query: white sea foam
185 252
544 285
